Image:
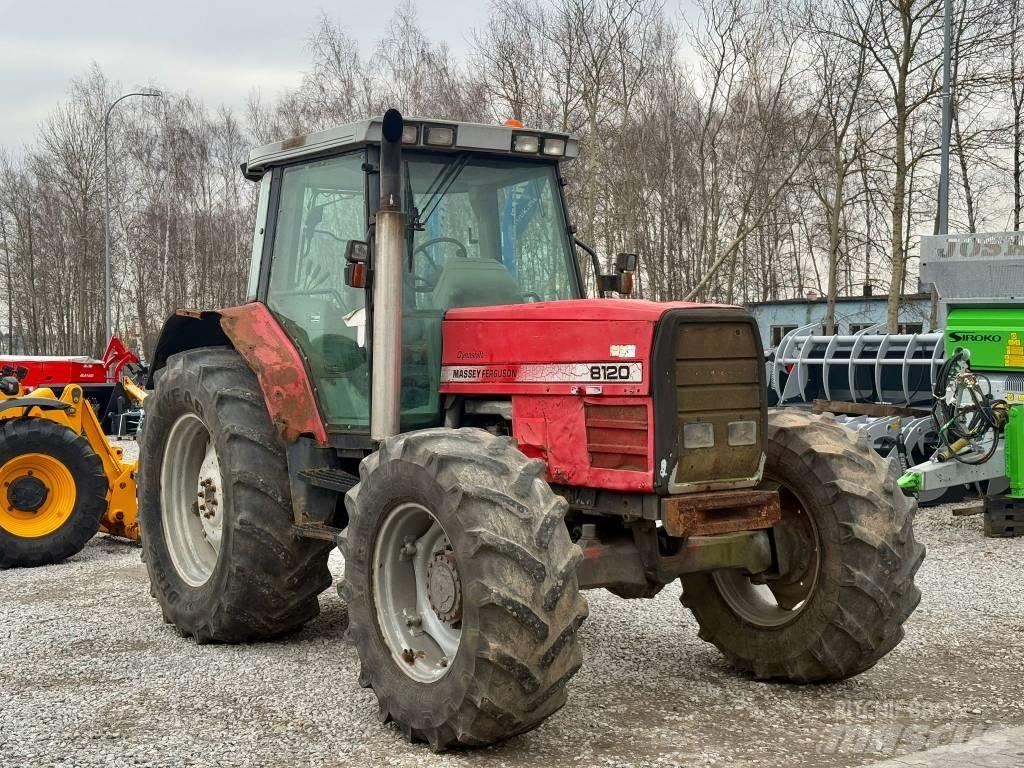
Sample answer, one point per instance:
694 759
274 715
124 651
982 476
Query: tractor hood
589 346
599 310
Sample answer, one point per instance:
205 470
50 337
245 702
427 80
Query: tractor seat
475 283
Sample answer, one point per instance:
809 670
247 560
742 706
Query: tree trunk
9 284
834 214
899 261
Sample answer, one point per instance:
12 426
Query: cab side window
322 207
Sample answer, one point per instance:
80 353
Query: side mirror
357 256
626 262
622 280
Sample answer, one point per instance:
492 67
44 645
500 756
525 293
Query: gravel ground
90 676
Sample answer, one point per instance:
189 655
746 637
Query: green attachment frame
1014 436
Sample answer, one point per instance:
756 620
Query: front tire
215 507
841 605
53 492
461 583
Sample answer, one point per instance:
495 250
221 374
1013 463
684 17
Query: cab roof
478 137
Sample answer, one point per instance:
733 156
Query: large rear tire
52 492
461 583
215 507
841 605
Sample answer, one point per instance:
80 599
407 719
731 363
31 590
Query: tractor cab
485 224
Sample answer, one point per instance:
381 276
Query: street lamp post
947 108
106 202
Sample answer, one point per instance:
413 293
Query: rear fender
186 329
261 341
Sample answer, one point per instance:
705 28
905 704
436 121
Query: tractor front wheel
839 601
215 507
52 492
461 583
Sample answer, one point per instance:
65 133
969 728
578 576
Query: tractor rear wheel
215 507
52 492
840 603
461 583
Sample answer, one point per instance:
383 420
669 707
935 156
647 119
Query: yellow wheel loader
61 481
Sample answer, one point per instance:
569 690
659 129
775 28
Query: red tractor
418 378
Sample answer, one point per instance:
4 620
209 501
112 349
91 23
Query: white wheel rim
422 644
191 500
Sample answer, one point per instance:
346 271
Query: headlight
699 434
554 147
438 135
410 134
523 143
742 432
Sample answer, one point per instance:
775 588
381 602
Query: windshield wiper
437 189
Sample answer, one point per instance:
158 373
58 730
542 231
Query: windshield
486 231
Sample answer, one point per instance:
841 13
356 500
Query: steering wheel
427 283
330 293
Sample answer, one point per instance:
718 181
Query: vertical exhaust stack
387 266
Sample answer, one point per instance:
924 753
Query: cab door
320 207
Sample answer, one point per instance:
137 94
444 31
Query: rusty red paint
272 355
720 512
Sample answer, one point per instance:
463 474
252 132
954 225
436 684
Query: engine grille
715 376
617 436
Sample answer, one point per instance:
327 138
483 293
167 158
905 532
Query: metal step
321 532
332 479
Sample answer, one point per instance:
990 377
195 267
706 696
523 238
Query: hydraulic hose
961 425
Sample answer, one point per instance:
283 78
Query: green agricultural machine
978 392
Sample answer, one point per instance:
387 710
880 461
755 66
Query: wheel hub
39 495
208 501
27 493
444 587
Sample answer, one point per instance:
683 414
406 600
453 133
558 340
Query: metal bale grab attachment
865 367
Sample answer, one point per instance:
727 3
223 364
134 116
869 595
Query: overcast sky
218 49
